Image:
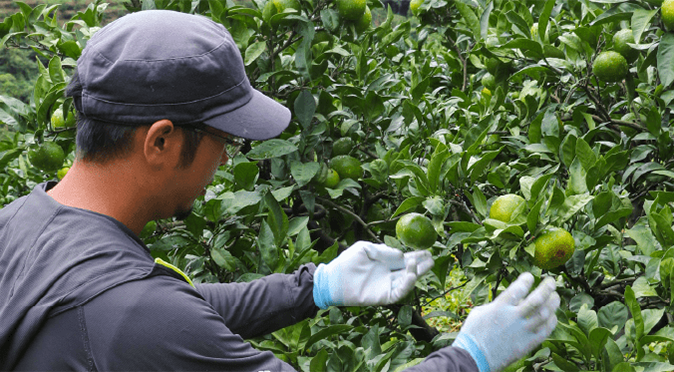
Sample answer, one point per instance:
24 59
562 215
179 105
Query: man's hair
100 142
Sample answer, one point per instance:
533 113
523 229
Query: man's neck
102 190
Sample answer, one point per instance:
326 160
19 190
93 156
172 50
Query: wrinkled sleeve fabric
163 324
449 358
263 305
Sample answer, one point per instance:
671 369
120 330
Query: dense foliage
447 111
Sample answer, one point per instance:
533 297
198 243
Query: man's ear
162 143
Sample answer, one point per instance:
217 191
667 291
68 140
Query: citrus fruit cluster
416 231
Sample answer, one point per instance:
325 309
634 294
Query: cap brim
259 119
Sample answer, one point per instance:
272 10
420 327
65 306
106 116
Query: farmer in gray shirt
162 98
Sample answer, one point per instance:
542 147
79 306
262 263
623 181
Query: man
161 97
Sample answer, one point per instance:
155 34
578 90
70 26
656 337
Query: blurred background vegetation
18 70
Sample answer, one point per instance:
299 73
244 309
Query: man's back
80 291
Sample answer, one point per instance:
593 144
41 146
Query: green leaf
479 166
408 204
519 22
613 315
643 236
534 215
327 332
246 174
224 259
277 219
529 47
303 172
577 174
479 201
572 204
319 362
405 315
564 364
597 339
305 107
56 71
468 16
484 20
268 250
587 319
545 16
641 20
254 51
440 155
641 288
585 155
666 59
635 310
623 367
272 148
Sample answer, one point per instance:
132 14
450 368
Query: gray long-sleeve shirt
79 291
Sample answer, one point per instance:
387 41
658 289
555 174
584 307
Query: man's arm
266 304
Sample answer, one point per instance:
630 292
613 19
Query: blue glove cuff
321 289
467 343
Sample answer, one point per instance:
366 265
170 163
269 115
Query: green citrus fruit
364 22
282 5
351 10
504 206
347 167
342 146
620 41
667 14
610 66
414 6
416 231
48 157
62 172
332 179
553 248
489 81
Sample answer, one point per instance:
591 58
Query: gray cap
160 64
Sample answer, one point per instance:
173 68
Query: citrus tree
504 137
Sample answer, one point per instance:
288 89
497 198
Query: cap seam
171 59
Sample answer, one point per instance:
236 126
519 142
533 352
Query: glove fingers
540 296
391 257
402 286
517 290
540 317
424 261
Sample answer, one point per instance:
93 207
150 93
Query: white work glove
369 274
500 333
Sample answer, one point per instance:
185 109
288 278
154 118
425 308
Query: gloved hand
368 274
499 333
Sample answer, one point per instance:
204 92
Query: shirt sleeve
447 359
163 324
263 305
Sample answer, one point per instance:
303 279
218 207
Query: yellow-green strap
166 264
